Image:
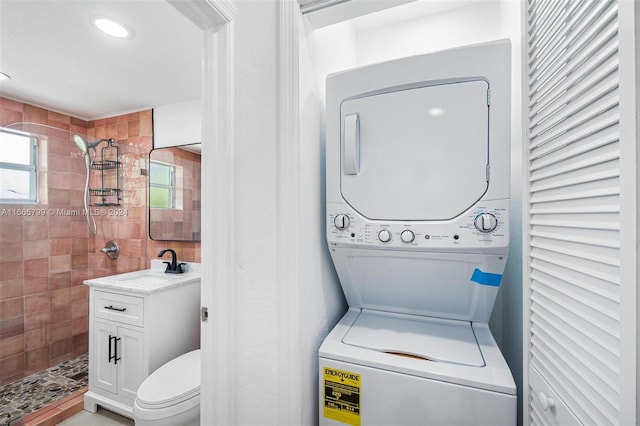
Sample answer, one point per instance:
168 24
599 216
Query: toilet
171 394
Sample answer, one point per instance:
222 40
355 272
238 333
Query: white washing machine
418 160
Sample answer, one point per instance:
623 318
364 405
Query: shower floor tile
38 390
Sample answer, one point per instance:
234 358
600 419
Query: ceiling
58 60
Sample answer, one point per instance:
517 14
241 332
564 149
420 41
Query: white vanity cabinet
135 327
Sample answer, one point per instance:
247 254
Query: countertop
147 281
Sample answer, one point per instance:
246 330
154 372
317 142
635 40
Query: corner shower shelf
109 193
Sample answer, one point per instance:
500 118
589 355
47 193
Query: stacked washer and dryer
418 162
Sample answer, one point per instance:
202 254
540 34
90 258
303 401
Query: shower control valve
485 222
341 221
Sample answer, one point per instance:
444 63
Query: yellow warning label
342 396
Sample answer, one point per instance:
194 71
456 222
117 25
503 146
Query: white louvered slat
593 237
589 112
590 190
593 173
602 123
602 288
598 407
558 12
568 92
577 156
595 375
607 204
602 362
574 206
575 49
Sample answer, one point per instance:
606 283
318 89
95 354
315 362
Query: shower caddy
109 193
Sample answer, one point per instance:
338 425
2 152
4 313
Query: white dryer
418 159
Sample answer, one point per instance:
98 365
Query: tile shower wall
44 259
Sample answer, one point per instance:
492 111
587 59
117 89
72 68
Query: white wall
176 124
458 27
259 302
255 143
321 299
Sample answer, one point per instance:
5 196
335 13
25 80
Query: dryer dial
384 236
407 236
485 222
341 221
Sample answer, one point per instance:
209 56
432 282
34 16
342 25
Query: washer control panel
484 225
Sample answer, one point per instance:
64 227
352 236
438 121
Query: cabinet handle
111 308
110 357
115 357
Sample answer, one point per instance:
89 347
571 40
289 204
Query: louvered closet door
574 216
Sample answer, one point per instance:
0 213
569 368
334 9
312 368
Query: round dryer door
417 153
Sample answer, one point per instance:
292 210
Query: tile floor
60 383
101 418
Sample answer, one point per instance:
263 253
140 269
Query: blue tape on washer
486 278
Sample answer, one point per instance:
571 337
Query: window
18 167
161 185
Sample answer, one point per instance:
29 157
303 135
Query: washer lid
433 339
174 382
416 154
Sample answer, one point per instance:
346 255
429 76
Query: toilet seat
174 383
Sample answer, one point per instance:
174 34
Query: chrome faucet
173 267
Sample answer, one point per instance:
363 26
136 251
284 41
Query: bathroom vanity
138 322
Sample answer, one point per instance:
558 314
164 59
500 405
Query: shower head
82 145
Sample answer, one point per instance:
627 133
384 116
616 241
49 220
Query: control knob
407 236
384 236
485 222
341 221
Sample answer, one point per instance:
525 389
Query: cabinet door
104 371
131 366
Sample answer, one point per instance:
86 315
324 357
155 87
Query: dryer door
416 154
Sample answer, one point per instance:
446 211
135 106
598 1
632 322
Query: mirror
174 193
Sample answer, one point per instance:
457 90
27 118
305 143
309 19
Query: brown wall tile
35 249
59 280
60 331
10 365
37 360
11 288
61 347
11 346
11 308
36 268
11 270
36 230
11 327
35 285
58 246
37 338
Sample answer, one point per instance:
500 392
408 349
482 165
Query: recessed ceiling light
111 27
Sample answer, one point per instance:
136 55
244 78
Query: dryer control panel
484 226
